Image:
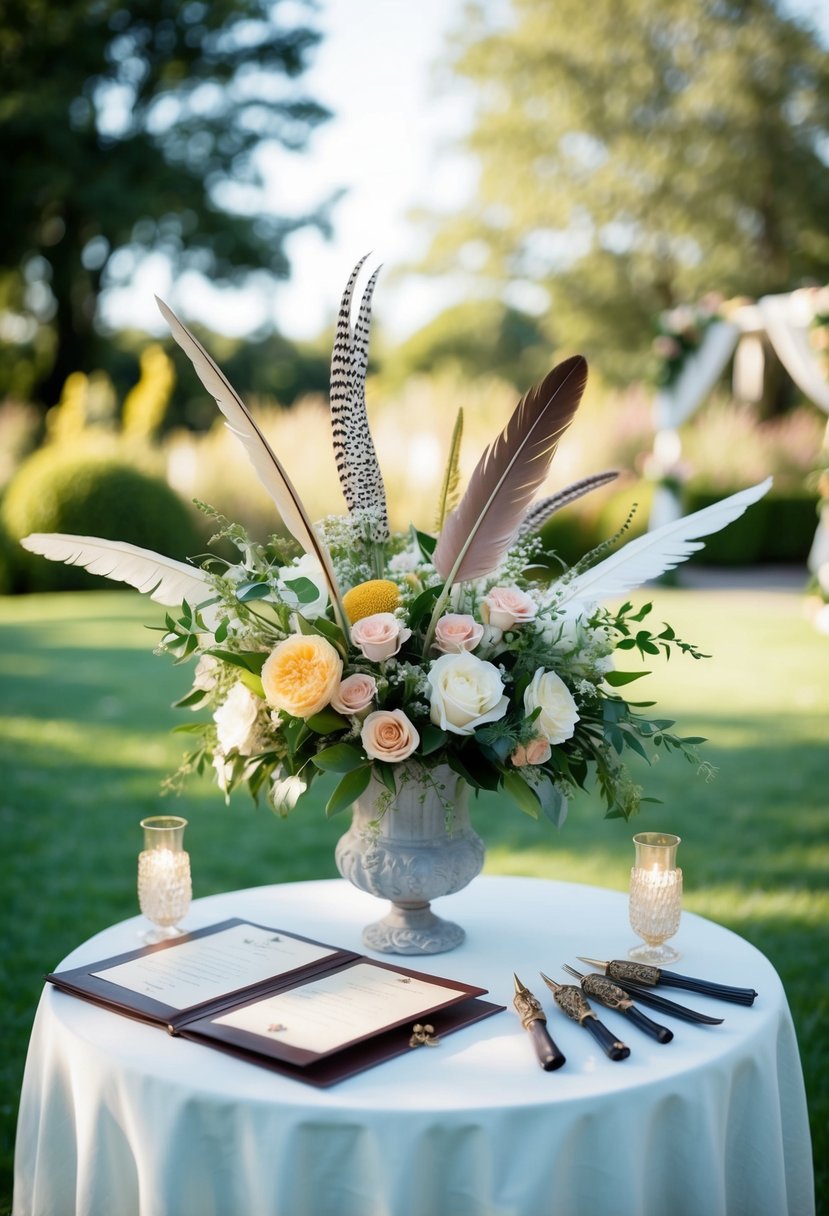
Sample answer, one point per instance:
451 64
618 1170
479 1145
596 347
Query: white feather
165 580
649 556
267 467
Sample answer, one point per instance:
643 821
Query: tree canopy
134 128
635 155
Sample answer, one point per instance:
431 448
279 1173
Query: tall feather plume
166 581
540 512
356 459
479 531
448 498
268 469
649 556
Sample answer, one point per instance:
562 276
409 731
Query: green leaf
252 591
339 758
553 802
250 660
431 738
426 543
193 698
305 591
326 722
295 732
325 629
422 606
617 678
349 788
523 795
386 774
252 682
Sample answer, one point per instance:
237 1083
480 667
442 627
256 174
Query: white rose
236 720
465 692
306 567
286 790
550 694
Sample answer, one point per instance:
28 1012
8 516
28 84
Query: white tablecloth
120 1119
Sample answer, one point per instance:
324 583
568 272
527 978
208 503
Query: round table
119 1119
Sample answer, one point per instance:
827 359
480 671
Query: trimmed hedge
778 528
90 495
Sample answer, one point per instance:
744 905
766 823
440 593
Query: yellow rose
301 675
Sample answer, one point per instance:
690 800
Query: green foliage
475 338
627 170
67 490
131 129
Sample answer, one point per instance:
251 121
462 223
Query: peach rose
506 607
379 636
457 631
388 734
301 675
355 694
537 751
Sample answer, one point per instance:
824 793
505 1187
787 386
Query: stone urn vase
410 848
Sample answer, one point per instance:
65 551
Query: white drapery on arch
785 321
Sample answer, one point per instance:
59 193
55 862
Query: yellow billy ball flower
366 599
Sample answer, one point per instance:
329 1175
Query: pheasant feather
651 555
479 531
268 469
540 512
166 581
356 459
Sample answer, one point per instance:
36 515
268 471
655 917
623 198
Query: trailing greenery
85 745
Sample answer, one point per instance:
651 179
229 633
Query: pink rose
506 607
537 751
355 694
457 631
388 734
379 636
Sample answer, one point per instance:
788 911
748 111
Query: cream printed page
333 1010
211 966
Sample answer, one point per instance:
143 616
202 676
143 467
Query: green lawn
85 743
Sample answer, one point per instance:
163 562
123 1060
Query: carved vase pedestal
411 848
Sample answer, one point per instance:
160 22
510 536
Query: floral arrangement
350 650
680 334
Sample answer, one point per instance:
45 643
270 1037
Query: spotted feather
354 453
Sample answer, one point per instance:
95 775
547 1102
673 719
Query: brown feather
480 530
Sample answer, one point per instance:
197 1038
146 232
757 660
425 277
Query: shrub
96 494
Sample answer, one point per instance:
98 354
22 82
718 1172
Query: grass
85 743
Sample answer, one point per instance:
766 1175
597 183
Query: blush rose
457 631
355 694
379 636
506 607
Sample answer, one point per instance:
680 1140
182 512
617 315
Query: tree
637 154
132 128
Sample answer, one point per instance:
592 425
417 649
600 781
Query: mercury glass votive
164 884
655 903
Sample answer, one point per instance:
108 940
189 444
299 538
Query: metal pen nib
642 974
613 997
572 1001
534 1021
